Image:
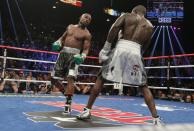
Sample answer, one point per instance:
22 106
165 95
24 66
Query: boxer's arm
116 27
58 45
148 41
87 44
79 58
146 45
63 37
112 35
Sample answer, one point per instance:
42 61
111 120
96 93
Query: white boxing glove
103 55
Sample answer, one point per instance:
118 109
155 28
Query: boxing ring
44 111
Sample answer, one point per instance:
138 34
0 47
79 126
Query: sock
86 109
156 117
68 99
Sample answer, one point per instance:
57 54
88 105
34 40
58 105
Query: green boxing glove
79 58
56 46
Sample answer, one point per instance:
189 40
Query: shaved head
139 9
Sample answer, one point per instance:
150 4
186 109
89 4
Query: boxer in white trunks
124 63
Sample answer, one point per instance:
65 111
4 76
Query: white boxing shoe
158 122
84 115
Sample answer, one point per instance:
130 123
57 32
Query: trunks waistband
70 50
128 44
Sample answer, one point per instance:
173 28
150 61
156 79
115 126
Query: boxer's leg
72 74
94 93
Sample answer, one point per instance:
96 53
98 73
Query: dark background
189 23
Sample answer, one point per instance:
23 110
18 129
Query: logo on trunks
101 117
135 70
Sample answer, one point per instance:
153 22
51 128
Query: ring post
168 76
4 63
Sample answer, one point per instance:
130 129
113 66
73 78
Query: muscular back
137 29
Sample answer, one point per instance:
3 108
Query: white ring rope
157 67
31 95
28 70
153 77
30 60
83 65
90 66
94 66
85 83
165 67
23 80
150 77
182 66
181 89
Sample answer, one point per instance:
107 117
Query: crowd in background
88 75
44 40
160 8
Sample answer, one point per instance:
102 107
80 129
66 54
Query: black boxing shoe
67 109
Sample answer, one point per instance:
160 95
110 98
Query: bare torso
137 29
75 36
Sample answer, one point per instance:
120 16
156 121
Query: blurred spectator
10 86
82 89
56 91
188 99
27 87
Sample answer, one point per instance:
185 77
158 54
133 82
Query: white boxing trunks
125 64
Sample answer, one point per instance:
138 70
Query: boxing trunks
65 65
125 64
